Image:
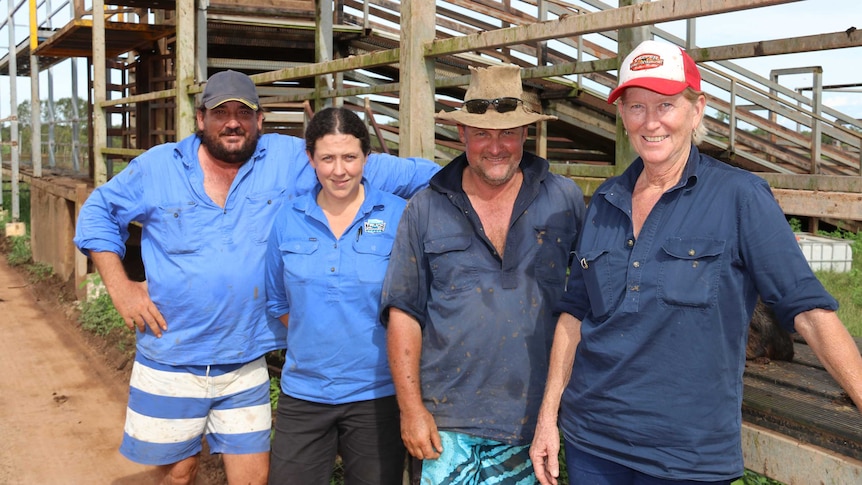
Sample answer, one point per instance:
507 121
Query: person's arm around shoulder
835 347
404 346
130 298
276 294
400 176
544 452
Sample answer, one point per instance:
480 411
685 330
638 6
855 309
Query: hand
419 432
545 452
133 303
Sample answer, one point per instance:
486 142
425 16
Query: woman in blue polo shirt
325 264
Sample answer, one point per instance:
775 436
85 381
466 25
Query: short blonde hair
700 131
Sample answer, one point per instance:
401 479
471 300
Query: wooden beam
417 79
185 69
823 183
834 205
787 460
606 20
810 43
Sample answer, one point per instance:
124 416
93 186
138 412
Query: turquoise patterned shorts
469 460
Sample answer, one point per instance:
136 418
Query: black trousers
308 435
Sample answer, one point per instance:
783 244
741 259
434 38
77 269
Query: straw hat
492 84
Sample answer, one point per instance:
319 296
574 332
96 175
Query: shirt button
691 252
636 264
634 288
332 269
630 243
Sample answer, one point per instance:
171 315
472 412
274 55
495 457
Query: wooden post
185 68
35 102
417 79
81 262
627 40
322 53
100 84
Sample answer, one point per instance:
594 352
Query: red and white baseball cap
658 66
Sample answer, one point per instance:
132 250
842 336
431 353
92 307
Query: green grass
19 251
753 478
847 287
20 254
23 203
98 314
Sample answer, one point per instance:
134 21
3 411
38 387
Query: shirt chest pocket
601 271
178 227
300 259
449 260
372 256
689 271
262 209
552 256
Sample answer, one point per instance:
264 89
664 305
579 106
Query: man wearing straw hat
479 262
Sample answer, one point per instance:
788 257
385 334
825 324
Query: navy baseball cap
230 85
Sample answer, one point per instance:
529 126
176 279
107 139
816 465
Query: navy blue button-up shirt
657 378
487 322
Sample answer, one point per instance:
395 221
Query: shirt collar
448 179
187 150
627 180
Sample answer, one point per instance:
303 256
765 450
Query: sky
810 17
807 17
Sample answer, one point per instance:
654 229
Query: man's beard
220 152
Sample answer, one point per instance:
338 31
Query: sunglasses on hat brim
501 105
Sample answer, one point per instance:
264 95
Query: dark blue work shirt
487 321
657 379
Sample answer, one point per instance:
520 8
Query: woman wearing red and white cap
646 367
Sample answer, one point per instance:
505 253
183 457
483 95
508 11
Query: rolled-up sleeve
400 176
774 260
105 216
276 295
406 284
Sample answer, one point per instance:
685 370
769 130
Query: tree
63 116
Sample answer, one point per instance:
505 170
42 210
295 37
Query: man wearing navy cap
206 205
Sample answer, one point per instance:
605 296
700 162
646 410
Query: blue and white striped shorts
470 460
172 407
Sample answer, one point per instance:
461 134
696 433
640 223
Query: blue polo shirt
336 348
657 379
205 263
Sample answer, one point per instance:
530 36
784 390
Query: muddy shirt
205 263
657 379
487 323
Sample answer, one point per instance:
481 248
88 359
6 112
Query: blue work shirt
336 347
204 263
487 322
657 379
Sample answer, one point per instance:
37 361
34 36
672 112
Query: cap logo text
646 61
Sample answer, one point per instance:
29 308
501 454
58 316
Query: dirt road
61 406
